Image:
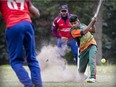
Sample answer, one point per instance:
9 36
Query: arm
92 29
33 10
89 26
55 32
54 29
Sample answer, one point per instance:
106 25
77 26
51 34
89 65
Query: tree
3 49
98 34
109 32
84 9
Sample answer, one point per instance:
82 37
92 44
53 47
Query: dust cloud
54 68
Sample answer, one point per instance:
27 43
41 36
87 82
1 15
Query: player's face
75 24
64 12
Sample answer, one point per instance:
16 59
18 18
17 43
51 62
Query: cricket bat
98 8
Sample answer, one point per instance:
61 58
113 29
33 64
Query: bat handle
94 17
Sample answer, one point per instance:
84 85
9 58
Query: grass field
105 78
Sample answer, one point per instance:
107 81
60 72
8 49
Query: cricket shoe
91 80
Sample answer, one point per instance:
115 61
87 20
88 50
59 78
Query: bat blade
98 8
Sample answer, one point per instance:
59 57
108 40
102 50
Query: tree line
85 9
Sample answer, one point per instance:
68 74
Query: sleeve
29 3
76 33
55 28
55 24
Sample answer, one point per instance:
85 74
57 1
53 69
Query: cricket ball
103 60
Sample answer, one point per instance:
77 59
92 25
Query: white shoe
91 80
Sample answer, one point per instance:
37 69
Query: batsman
87 44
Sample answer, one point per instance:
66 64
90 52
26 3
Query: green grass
105 78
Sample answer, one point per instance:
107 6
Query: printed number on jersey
13 4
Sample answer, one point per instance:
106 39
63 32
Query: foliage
109 32
49 9
3 50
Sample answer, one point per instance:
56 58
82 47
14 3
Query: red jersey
14 11
63 27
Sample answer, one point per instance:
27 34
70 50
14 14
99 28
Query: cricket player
87 44
61 30
20 36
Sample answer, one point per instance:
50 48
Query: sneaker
91 80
